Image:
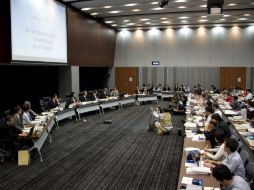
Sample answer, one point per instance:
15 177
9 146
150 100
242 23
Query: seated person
180 108
26 118
33 115
229 97
220 124
91 96
114 92
14 135
209 133
250 109
83 96
249 95
72 100
233 160
164 125
208 114
53 103
216 108
235 104
228 180
18 117
220 154
101 94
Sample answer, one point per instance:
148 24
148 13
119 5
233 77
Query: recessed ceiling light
144 19
163 18
157 9
136 10
204 16
165 22
86 9
107 7
154 3
222 19
246 15
203 20
226 15
94 14
114 12
114 25
180 1
232 4
148 23
242 19
126 20
131 24
181 7
131 4
109 21
183 17
252 3
184 21
202 6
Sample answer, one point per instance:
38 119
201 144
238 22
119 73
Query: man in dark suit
18 117
53 103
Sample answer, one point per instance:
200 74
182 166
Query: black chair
244 156
249 172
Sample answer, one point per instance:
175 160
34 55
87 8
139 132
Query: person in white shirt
220 154
26 118
233 160
229 182
249 95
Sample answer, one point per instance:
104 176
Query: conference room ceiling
130 14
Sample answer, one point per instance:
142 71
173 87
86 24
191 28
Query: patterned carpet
92 155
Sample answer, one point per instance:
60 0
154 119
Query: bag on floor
23 158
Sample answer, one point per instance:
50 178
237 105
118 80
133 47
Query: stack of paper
190 125
186 180
198 170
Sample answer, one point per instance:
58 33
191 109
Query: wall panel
187 47
90 43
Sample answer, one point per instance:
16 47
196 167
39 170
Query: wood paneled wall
126 79
233 77
90 43
5 32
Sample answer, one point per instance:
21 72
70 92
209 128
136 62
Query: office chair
249 172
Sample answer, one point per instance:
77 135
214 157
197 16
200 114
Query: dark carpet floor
92 155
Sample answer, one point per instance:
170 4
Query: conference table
88 107
208 180
127 100
109 103
146 98
41 132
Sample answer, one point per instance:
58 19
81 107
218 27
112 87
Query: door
126 79
233 77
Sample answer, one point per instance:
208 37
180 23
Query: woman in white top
220 154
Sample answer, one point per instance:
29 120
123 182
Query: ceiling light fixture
107 7
94 14
155 3
86 9
183 17
136 10
109 21
157 9
131 4
181 7
232 4
114 12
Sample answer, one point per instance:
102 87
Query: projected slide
38 29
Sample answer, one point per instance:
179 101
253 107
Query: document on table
199 137
198 170
187 180
211 188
